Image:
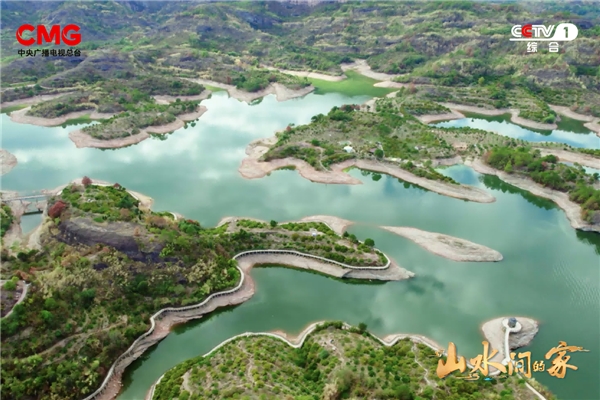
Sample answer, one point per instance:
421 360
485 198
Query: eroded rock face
119 235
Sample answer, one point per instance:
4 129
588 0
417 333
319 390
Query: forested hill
443 43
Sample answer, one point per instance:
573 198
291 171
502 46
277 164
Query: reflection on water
549 272
569 131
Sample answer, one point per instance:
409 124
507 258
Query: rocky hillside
448 43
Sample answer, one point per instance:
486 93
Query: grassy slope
92 296
332 364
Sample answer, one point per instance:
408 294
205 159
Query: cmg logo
54 35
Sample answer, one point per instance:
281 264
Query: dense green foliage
333 363
548 172
116 95
131 123
383 135
6 219
107 264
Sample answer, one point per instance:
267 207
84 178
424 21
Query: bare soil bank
573 210
82 139
7 161
309 74
513 112
164 99
363 68
447 246
281 92
592 123
563 155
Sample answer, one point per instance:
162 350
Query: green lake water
569 131
550 271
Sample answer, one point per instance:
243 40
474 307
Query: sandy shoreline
20 117
447 246
429 118
308 74
281 92
7 161
82 139
252 168
165 99
571 209
592 123
363 68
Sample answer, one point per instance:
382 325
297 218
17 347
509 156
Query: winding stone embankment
163 320
447 246
387 341
571 209
252 168
7 161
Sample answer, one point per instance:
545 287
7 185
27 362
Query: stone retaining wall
129 355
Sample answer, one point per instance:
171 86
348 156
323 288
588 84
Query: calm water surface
550 272
569 131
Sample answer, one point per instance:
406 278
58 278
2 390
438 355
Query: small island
108 277
328 360
447 246
522 332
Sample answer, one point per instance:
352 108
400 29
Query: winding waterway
569 131
550 272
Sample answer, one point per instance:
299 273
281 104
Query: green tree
362 327
369 242
10 285
379 153
273 223
481 81
508 168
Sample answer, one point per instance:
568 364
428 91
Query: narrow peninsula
330 360
108 270
386 136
